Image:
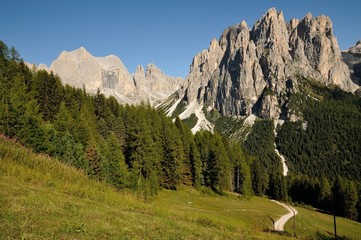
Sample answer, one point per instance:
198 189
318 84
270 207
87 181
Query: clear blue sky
167 33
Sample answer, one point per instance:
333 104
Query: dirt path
280 223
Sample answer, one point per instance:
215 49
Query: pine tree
196 165
325 194
47 91
141 153
242 172
351 198
92 154
259 178
14 55
219 167
277 188
186 165
173 158
118 170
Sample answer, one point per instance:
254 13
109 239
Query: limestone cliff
352 57
251 71
80 69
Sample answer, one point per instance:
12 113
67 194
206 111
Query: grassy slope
309 222
41 198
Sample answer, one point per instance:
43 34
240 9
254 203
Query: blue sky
167 33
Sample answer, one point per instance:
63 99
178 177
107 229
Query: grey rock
237 72
80 69
352 57
153 85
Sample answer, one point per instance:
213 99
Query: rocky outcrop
80 69
355 49
251 71
352 58
153 85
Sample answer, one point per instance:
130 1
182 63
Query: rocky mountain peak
355 49
79 68
77 55
153 85
243 24
253 71
352 58
152 71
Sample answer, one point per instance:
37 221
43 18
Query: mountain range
81 69
247 72
254 71
280 99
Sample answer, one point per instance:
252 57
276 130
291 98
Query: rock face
251 71
80 69
352 58
153 85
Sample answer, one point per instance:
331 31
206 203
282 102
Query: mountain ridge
352 57
79 68
254 71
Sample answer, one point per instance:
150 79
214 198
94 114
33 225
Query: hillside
42 198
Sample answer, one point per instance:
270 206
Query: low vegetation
42 198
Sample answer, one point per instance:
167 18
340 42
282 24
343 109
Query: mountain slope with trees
140 148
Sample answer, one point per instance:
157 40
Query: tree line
135 147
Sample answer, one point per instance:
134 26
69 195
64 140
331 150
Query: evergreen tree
186 167
219 167
117 169
47 91
259 178
277 188
196 164
141 153
14 55
93 156
325 194
173 156
4 52
242 172
351 199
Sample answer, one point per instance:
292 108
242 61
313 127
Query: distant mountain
352 57
80 69
255 71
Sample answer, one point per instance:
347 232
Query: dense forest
135 147
140 148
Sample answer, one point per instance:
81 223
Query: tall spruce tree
47 91
242 173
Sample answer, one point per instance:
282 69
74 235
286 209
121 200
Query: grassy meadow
308 222
41 198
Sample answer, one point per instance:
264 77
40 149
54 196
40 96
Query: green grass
309 222
41 198
226 125
250 214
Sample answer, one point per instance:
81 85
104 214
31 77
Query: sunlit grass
309 222
41 198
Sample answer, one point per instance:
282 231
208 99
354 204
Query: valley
265 125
